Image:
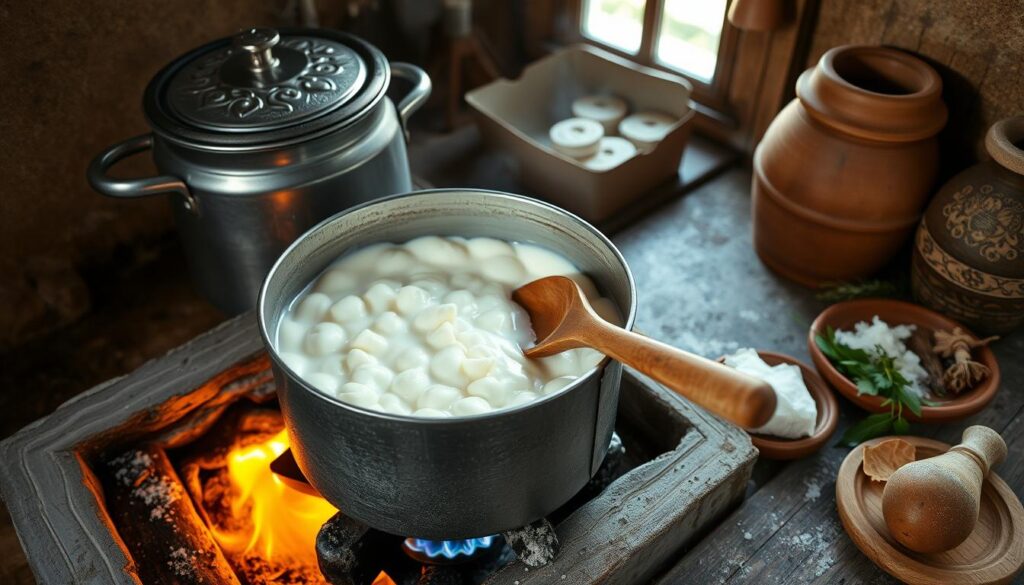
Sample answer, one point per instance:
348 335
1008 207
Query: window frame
711 97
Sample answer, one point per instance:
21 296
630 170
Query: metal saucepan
454 477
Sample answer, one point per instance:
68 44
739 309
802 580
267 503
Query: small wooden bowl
846 314
993 553
825 402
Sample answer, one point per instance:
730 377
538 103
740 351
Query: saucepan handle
104 183
416 96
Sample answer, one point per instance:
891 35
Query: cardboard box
516 115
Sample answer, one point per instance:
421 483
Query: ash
818 545
135 469
182 562
535 544
253 569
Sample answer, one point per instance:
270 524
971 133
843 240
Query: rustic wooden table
701 288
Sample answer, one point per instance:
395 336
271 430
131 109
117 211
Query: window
683 36
619 23
689 36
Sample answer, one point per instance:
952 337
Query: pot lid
263 84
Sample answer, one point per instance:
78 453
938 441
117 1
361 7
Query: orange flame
383 579
284 521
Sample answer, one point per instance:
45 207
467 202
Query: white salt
813 491
878 337
748 315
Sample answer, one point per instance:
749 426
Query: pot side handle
111 187
416 97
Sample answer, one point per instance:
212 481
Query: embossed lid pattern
265 81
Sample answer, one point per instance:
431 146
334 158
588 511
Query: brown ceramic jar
969 250
843 172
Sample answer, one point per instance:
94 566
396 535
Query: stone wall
73 75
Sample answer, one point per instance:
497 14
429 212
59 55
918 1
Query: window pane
689 36
619 23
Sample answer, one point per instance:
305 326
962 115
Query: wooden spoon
563 319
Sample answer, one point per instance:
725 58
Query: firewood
158 523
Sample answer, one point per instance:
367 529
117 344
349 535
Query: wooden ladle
563 319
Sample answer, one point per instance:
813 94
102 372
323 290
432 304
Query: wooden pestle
932 505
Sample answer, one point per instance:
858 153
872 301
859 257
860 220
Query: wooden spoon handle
740 398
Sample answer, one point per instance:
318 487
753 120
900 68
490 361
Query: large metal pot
261 136
454 477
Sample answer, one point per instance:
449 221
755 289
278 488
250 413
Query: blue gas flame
448 549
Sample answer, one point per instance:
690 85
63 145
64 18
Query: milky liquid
428 328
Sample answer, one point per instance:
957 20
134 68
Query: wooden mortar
932 505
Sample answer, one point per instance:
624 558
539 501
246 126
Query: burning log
203 463
242 425
265 528
158 524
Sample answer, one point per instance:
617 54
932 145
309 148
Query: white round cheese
646 129
612 151
576 137
606 109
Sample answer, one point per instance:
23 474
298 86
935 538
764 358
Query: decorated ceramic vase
844 170
969 253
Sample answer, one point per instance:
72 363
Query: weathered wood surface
702 288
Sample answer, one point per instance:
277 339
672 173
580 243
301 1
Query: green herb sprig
874 374
834 292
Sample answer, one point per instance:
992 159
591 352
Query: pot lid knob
258 42
260 80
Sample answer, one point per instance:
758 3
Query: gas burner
448 551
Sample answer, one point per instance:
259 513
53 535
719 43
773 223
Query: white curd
795 413
428 328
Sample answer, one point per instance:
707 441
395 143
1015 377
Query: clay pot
969 251
843 172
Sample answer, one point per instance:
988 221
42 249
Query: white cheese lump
428 328
796 414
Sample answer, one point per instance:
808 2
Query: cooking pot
260 136
460 477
